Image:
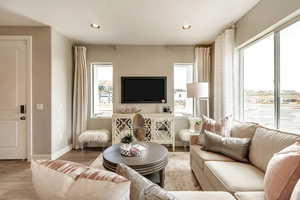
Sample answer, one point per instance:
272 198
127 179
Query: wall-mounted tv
144 89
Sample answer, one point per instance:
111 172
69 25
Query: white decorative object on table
132 150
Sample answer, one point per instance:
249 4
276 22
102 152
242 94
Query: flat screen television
144 89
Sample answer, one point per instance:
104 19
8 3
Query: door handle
22 118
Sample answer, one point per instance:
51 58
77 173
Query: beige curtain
203 70
80 94
223 74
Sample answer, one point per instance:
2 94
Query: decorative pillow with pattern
221 127
53 178
97 184
141 188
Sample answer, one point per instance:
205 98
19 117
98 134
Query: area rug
179 176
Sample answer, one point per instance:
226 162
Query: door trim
28 40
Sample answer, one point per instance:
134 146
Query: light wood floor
15 175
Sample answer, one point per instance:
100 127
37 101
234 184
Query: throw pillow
243 129
53 178
283 172
141 188
235 148
221 127
296 192
97 184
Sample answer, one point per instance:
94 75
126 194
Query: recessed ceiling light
187 27
96 26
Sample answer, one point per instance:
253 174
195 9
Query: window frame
193 80
92 67
277 68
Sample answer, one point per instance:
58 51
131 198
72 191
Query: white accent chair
100 137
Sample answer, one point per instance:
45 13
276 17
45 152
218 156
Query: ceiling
151 22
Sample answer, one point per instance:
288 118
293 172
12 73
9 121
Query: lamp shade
197 90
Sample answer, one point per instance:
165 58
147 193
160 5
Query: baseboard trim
61 152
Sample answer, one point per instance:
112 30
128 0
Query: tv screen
143 89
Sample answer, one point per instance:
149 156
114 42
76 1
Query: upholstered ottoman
100 136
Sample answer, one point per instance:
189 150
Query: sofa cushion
243 129
250 195
200 156
265 143
234 176
195 195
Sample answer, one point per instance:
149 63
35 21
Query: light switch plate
40 106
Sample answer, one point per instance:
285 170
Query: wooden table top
153 160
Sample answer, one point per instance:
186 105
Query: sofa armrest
194 139
197 139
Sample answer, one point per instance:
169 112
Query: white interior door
13 126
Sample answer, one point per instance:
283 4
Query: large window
289 113
183 74
102 90
271 84
258 75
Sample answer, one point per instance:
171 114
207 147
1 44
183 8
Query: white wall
61 93
266 15
139 61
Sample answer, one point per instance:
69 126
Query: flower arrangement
127 139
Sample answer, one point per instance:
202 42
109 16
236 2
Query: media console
159 127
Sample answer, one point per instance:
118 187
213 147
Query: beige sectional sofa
216 172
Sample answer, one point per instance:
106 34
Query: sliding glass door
289 114
271 79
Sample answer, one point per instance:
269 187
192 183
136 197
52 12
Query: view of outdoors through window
259 82
183 74
290 78
102 90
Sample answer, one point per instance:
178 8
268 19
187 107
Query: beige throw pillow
97 184
235 148
53 178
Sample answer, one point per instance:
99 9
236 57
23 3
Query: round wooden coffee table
151 165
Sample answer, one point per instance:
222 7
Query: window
183 74
289 113
258 75
271 68
102 90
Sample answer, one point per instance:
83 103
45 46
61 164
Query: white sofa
216 172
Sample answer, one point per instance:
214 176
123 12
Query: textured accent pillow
296 192
235 148
221 127
243 129
282 173
97 184
53 178
141 188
